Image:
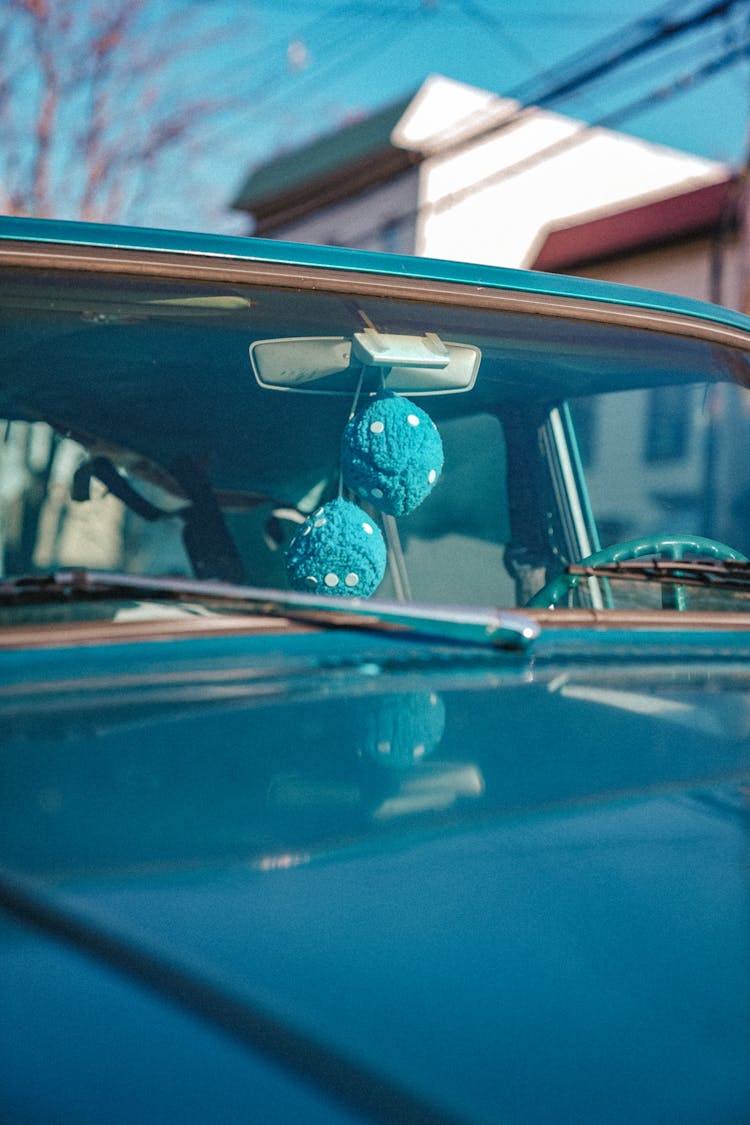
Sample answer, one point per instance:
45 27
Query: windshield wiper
489 627
725 574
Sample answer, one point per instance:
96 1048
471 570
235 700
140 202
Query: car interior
156 426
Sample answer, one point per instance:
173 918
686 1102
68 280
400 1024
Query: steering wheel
661 546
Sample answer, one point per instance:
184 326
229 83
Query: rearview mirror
414 365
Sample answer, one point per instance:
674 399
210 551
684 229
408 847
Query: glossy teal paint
480 886
512 927
359 261
107 1050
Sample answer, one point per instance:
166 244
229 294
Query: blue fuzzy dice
338 550
391 454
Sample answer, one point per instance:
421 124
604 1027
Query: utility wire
267 90
279 43
275 73
555 85
477 14
659 95
681 54
607 121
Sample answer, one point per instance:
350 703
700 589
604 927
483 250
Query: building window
667 424
584 414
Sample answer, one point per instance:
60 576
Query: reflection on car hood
505 889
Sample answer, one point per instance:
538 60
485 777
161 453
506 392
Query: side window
42 526
648 477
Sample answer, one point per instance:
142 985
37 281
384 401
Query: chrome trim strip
234 270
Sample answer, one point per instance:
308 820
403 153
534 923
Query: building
456 172
687 242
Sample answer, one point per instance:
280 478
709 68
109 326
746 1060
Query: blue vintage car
374 689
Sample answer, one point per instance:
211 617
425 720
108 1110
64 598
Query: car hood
506 887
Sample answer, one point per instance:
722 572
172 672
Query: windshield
192 428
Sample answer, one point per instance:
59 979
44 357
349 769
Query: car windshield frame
211 287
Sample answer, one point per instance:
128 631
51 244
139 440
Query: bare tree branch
96 96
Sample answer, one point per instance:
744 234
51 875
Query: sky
284 71
352 56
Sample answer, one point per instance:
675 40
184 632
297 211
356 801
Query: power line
553 84
587 67
558 85
280 43
659 95
478 14
607 121
681 53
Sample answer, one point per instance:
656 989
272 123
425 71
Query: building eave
328 167
700 211
313 195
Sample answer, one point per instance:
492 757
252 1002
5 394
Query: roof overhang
280 208
700 211
327 169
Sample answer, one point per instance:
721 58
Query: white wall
489 203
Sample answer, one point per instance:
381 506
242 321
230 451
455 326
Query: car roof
108 236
